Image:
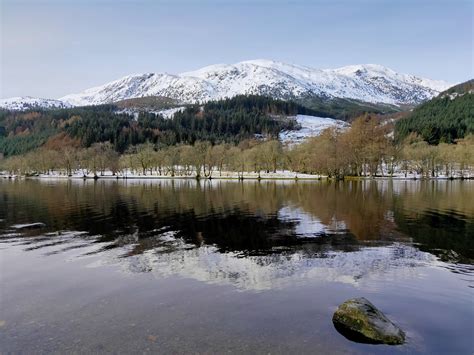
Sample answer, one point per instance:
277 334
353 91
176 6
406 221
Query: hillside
445 118
231 120
346 109
342 109
149 103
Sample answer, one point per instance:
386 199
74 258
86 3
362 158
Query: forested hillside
345 109
230 120
149 103
448 117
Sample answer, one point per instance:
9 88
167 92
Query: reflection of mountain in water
279 269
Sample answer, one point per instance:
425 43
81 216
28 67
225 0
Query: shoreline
233 178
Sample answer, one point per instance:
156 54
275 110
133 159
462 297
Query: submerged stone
359 320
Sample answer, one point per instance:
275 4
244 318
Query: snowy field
279 174
169 113
311 126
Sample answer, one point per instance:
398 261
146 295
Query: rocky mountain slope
368 83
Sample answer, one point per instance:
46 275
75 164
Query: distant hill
445 118
466 87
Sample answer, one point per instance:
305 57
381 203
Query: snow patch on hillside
311 126
169 113
26 102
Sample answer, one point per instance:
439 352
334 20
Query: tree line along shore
366 149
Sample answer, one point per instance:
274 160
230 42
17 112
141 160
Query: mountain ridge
21 103
371 83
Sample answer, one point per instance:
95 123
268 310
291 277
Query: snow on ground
169 113
279 174
311 126
27 102
128 111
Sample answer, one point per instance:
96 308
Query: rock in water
359 320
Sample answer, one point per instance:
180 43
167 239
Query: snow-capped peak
367 82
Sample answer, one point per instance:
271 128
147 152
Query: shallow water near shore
218 266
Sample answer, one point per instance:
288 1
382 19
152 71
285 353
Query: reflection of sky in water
307 225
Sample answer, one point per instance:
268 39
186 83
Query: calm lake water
227 266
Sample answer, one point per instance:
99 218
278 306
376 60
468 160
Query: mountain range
368 83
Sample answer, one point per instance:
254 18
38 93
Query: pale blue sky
50 48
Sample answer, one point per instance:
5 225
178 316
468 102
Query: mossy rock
359 320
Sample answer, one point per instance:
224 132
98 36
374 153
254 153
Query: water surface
186 266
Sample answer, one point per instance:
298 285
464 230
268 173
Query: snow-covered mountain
26 102
369 83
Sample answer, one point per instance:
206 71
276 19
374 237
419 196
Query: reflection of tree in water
245 217
235 230
439 216
361 206
445 234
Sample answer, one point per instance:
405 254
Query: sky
50 48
